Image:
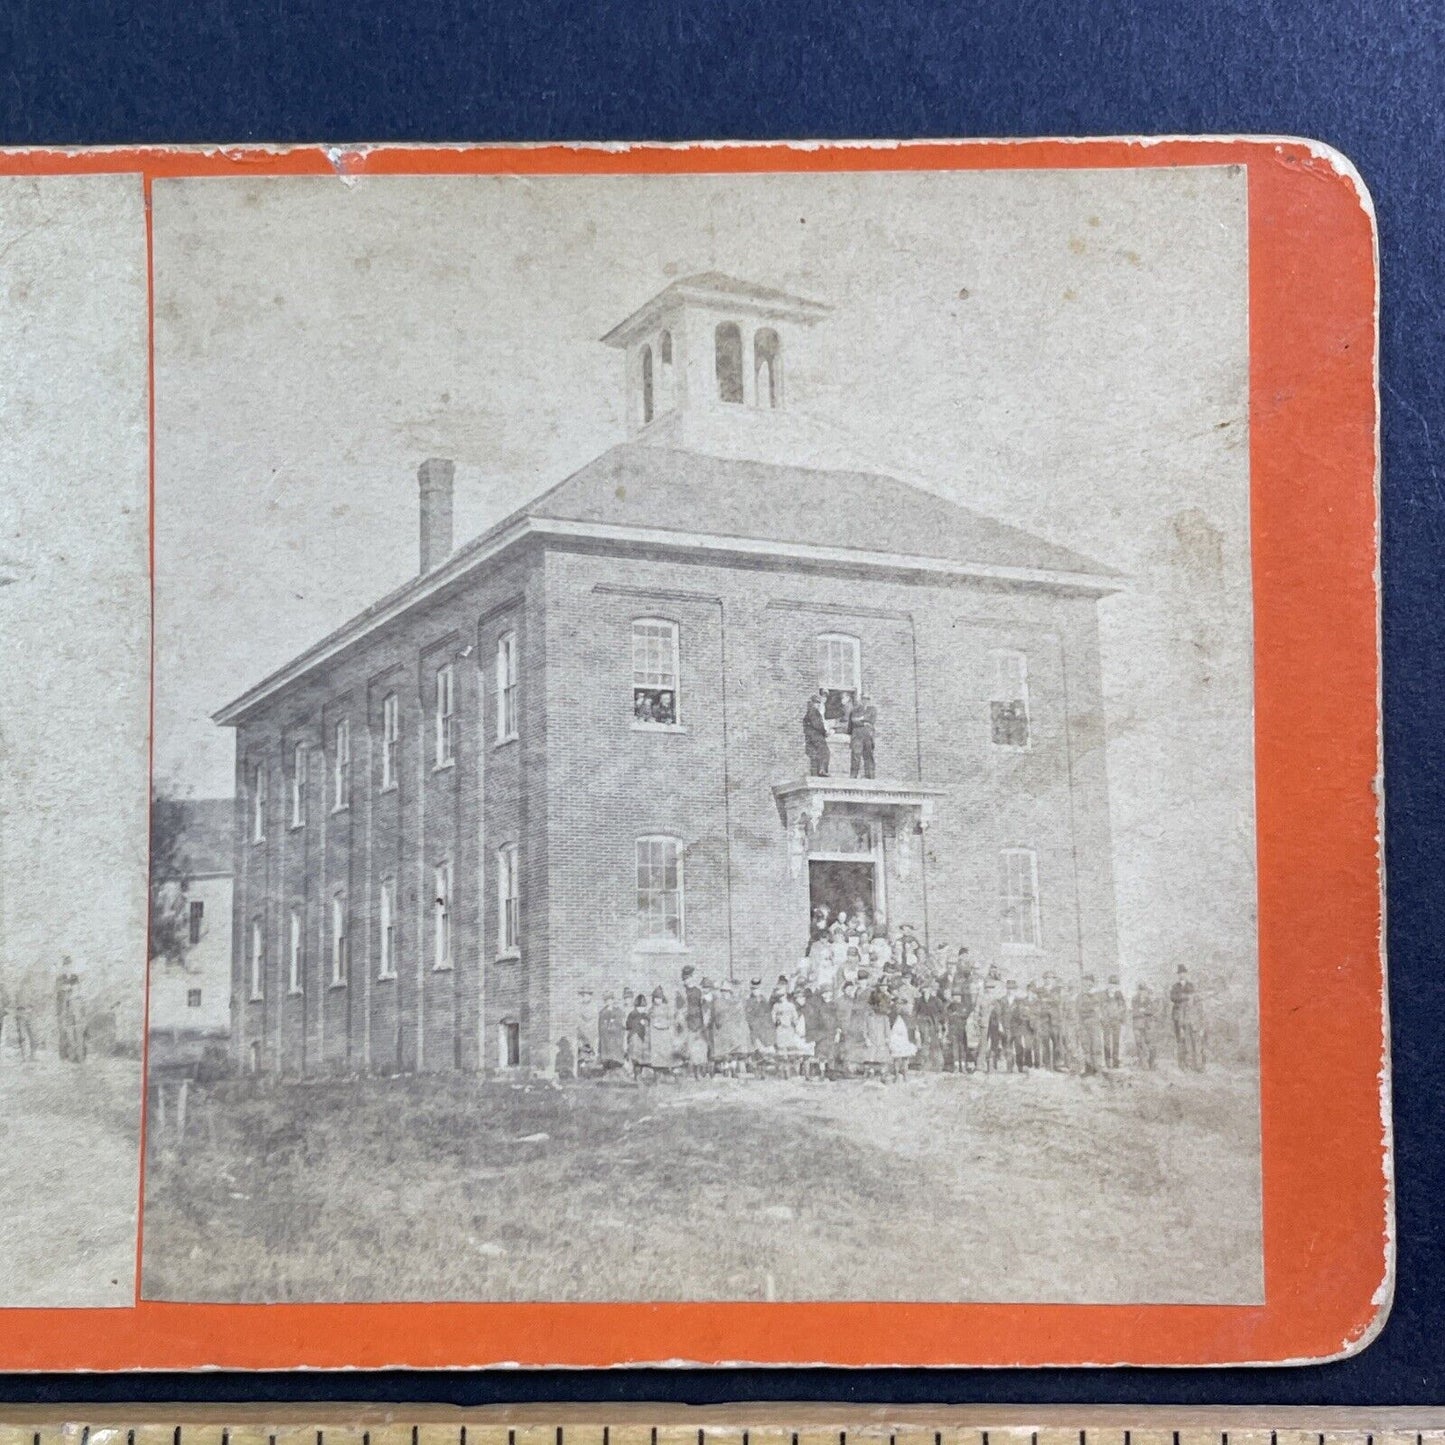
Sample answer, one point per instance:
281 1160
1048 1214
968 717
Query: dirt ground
70 1138
1042 1187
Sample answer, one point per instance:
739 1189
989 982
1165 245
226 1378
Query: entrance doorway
840 887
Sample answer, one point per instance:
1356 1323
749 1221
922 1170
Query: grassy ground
1044 1187
70 1138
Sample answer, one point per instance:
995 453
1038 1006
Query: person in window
862 718
815 734
642 707
664 710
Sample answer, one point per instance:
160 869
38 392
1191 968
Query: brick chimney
434 477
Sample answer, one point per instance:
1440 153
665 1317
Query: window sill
293 992
502 742
340 808
386 978
296 827
445 767
511 955
257 998
257 842
656 727
660 945
338 983
388 788
443 968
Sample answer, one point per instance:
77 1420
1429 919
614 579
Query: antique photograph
703 739
74 633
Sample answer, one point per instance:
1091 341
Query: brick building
568 756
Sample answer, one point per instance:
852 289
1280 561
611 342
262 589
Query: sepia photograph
703 740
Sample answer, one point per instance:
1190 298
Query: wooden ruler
718 1425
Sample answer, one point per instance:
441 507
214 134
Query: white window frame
667 678
257 961
1027 938
1003 661
195 921
507 687
341 766
295 950
507 1029
258 803
340 940
390 740
509 902
663 940
446 696
442 916
298 785
386 914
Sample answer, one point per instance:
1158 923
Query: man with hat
862 719
1091 1025
815 734
1145 1014
1115 1010
1181 1015
762 1037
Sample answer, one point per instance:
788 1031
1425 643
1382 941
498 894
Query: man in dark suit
815 735
861 721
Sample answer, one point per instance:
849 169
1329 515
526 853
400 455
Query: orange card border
1324 1072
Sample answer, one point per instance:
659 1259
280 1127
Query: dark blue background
1365 76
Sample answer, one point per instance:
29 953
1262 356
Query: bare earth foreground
1043 1187
70 1138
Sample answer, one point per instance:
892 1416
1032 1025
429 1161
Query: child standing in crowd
637 1026
611 1035
659 1058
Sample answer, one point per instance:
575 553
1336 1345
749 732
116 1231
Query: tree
170 879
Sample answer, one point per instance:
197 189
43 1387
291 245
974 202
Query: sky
1066 351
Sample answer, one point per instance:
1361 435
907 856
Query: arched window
839 672
667 381
728 347
646 385
659 890
768 368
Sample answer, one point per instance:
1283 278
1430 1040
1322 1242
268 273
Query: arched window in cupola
646 385
666 381
768 368
728 346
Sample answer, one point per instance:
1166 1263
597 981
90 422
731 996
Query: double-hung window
1009 699
341 766
294 946
506 687
839 672
298 785
654 672
387 912
445 708
257 959
442 914
340 941
509 900
659 890
390 740
1019 898
258 803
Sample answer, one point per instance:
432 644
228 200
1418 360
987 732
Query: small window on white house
728 359
294 957
659 890
193 998
1019 897
667 397
768 369
1009 699
341 766
647 397
258 803
506 687
390 740
509 1040
298 785
839 672
654 671
257 960
509 900
195 921
442 914
445 708
340 942
387 912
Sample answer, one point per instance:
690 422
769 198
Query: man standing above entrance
861 722
815 734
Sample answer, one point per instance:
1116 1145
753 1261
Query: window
1019 890
387 911
445 700
253 1055
654 671
390 737
258 803
509 1042
646 385
728 348
298 785
195 920
659 890
341 766
442 914
258 958
506 687
193 998
339 941
294 957
768 368
509 900
1009 699
664 356
839 672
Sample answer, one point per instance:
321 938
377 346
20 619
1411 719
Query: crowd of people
18 1011
869 1001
